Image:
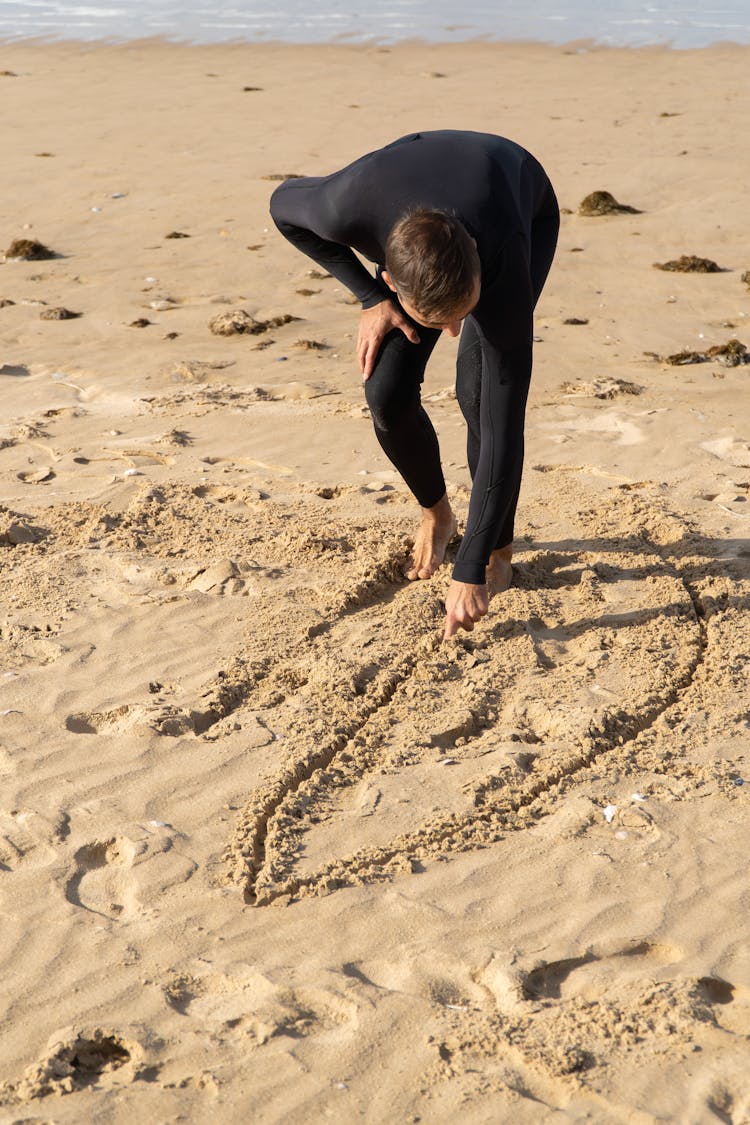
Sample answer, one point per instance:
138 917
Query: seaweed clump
604 203
311 345
731 354
238 322
689 263
29 250
746 277
58 313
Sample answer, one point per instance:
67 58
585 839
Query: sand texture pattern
269 850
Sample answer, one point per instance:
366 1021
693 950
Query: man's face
452 325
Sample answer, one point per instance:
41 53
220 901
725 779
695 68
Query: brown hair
433 262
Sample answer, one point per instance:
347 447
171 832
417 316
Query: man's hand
374 326
464 605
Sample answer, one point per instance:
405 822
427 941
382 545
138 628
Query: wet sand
268 849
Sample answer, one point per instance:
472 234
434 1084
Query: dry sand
268 850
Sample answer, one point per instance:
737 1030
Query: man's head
432 264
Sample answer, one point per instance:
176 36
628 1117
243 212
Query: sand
269 850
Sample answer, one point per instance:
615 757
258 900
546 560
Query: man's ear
388 280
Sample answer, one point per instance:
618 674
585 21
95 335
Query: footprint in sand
78 1059
600 975
730 1004
590 975
721 1099
101 882
730 449
127 875
26 833
248 1004
120 720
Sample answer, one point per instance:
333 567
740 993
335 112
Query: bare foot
438 528
499 570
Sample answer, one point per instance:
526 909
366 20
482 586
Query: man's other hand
464 606
374 326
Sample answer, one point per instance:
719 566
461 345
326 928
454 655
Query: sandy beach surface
269 851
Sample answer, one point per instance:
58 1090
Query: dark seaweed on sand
58 313
177 234
29 250
604 203
746 277
688 263
731 354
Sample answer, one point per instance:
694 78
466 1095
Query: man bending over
462 227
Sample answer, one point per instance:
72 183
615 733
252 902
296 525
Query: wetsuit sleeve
301 212
504 322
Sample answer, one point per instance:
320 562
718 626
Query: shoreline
578 45
571 46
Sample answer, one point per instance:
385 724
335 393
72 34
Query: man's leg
468 393
409 441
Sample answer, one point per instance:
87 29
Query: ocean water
629 23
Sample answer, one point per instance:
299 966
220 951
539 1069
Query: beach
269 850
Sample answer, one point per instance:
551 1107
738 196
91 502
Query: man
463 227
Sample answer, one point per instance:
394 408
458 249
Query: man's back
486 181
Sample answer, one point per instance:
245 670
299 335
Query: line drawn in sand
585 658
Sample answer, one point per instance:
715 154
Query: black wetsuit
503 197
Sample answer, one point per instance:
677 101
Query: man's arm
299 209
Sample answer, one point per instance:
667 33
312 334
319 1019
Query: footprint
126 875
126 719
590 975
720 1098
24 831
248 1003
730 1003
78 1060
100 883
545 982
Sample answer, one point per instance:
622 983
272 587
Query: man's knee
389 407
393 390
469 381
